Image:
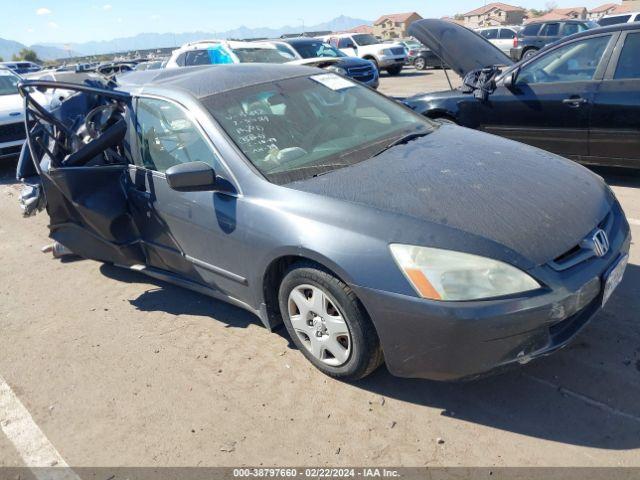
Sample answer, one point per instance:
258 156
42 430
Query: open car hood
460 48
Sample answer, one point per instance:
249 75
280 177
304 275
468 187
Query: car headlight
454 276
385 51
338 70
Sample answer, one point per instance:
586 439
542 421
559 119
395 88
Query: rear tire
529 53
420 63
327 323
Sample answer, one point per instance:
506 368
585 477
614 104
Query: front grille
398 51
579 253
12 132
361 74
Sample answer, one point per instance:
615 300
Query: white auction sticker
333 81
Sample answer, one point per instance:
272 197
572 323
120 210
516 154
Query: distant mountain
145 41
9 48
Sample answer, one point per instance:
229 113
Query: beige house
494 14
394 25
573 13
597 13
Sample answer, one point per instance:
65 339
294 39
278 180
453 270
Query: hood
10 107
534 203
315 61
457 46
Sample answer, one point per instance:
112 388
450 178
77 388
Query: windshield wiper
403 140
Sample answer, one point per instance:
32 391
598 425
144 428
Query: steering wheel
99 119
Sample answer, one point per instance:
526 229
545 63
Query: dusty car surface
304 197
578 98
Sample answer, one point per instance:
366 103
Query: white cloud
155 17
107 7
53 25
30 30
119 20
43 11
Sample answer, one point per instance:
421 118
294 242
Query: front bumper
458 340
386 61
10 150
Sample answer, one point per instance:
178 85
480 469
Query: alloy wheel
319 324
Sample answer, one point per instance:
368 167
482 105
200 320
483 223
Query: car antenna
446 74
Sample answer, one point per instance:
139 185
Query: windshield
364 39
8 83
260 55
317 49
307 126
603 22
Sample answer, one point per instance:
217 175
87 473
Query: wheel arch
275 271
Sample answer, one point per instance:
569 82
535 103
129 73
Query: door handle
575 102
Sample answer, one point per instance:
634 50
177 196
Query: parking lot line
29 441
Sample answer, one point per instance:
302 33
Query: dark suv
537 35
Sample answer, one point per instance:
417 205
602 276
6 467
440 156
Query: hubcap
319 325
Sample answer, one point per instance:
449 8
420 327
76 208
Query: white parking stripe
633 221
28 440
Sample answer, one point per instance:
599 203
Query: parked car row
579 97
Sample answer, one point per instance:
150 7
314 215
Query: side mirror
191 177
510 80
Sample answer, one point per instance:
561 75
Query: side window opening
506 34
550 30
628 66
574 62
167 137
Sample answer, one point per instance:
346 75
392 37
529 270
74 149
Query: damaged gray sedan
373 233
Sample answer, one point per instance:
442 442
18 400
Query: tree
27 55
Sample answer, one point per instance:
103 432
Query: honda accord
306 198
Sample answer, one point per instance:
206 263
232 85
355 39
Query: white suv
211 52
617 18
386 56
12 130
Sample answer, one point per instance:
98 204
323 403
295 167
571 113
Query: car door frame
601 139
543 136
139 173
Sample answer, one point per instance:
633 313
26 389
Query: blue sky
59 21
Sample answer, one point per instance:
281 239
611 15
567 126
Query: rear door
550 103
505 40
615 117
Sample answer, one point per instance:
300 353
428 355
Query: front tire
327 323
420 63
395 70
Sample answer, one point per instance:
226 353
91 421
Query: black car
420 56
538 35
304 49
579 98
